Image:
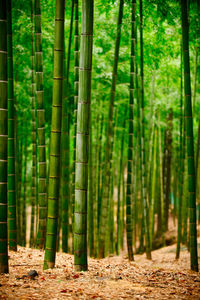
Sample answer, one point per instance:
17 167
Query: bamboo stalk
12 229
109 133
42 195
54 164
3 138
82 138
190 140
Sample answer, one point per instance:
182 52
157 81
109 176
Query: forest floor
110 278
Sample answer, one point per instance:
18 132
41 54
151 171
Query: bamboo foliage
12 230
190 140
82 138
42 201
3 138
54 164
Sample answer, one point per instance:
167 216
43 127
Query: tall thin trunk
120 193
76 88
3 138
105 199
153 185
82 138
90 194
12 229
144 192
24 198
65 181
181 170
168 165
54 164
195 79
161 182
111 228
42 195
129 186
190 140
34 156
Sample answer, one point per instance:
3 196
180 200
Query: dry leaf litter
109 278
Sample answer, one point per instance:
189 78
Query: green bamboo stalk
181 174
96 186
168 161
161 181
54 164
24 187
90 194
129 185
34 157
195 79
109 133
100 167
76 88
190 140
111 228
42 201
22 198
19 181
99 178
153 186
82 138
65 182
64 188
119 192
123 205
12 229
185 191
144 192
3 138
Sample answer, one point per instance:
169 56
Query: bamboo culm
55 139
3 138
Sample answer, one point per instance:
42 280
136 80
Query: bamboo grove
99 127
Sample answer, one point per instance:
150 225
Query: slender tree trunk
34 155
190 140
90 194
42 201
54 164
65 180
168 165
144 192
120 192
195 79
12 229
181 170
105 199
82 138
129 187
24 187
76 88
161 182
3 138
153 186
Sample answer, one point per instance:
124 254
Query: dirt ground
110 278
